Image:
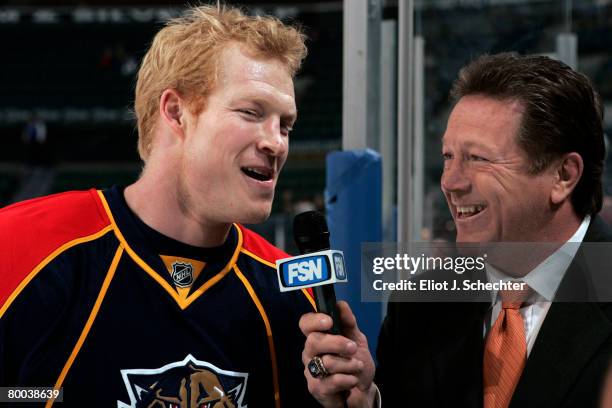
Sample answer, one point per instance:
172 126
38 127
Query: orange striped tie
505 351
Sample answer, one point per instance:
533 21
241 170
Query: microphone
318 267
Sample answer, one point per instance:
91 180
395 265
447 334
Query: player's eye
286 129
250 113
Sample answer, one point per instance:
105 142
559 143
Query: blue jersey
90 306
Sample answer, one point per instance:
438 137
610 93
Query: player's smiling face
489 191
236 147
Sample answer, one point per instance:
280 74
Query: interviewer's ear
568 171
172 110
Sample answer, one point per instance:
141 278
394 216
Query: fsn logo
306 271
314 269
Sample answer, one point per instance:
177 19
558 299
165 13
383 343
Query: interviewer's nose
455 178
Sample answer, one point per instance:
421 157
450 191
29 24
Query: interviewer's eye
474 157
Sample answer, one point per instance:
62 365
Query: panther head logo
186 384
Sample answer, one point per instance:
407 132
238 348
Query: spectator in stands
34 136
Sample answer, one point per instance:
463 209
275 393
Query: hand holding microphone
338 365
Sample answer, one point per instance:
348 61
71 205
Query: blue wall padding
353 201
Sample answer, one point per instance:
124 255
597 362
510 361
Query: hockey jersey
89 305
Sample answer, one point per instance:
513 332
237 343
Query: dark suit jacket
430 354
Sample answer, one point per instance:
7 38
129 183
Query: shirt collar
545 278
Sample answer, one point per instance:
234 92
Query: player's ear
568 171
172 110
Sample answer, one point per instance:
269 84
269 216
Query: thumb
349 322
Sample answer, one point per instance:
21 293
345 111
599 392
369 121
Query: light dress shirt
544 280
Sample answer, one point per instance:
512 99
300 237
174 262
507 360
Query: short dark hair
562 114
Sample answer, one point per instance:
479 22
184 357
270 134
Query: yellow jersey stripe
271 265
92 317
183 303
266 321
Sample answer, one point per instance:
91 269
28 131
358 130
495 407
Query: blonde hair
185 56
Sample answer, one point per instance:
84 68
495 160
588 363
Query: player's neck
158 207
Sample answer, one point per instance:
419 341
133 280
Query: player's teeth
255 171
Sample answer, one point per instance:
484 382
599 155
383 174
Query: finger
331 387
324 393
314 322
336 383
322 343
335 364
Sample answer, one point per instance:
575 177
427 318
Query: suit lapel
570 335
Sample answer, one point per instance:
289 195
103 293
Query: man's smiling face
486 182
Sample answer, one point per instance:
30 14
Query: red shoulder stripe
257 245
32 230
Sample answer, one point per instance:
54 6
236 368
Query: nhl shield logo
182 274
189 383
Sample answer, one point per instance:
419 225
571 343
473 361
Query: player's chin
256 213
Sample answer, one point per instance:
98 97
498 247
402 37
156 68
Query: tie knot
513 299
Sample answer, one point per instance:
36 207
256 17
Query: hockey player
155 295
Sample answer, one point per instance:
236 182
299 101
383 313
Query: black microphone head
310 232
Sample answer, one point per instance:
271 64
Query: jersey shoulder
259 248
257 245
33 230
